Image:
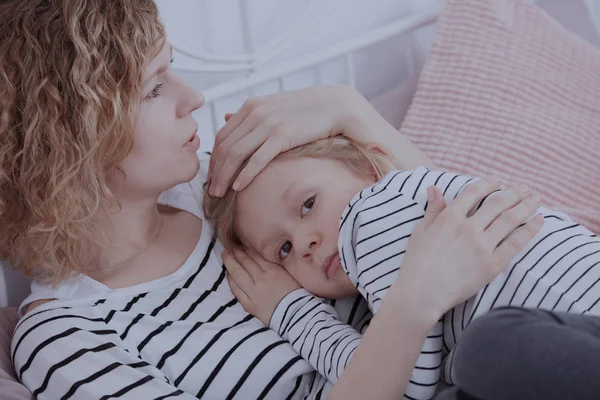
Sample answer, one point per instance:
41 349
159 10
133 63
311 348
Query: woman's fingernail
236 185
215 191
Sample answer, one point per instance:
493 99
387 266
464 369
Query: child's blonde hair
362 161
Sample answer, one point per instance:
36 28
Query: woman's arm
360 122
382 365
266 126
451 255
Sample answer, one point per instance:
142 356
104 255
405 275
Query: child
303 212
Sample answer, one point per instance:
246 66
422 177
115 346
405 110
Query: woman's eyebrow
161 69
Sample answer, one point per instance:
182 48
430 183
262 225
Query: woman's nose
190 99
196 100
199 100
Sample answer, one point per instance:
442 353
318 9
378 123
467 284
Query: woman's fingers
231 153
472 195
497 203
259 160
247 144
511 219
517 240
435 205
231 124
235 120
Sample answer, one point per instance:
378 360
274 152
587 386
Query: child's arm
374 236
308 323
315 331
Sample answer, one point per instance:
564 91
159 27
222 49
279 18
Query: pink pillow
508 92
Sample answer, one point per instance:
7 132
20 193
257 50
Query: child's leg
516 353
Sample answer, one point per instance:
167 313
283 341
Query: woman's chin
192 168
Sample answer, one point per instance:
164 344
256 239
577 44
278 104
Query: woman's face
165 138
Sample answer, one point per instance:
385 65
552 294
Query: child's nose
309 251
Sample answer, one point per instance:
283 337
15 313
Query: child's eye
156 91
307 206
285 250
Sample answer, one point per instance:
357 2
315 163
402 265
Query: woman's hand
266 126
452 255
269 125
258 284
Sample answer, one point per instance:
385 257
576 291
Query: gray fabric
516 353
10 388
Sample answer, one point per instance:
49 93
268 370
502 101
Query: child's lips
331 264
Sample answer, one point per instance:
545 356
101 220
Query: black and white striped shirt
182 336
558 270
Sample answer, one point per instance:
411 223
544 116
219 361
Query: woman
99 191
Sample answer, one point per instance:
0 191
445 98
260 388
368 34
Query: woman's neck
131 230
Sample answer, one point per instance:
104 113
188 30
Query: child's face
290 215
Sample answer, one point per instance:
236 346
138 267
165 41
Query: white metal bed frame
344 51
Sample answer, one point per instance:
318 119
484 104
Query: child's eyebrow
288 193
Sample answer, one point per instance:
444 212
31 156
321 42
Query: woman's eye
156 91
285 250
307 206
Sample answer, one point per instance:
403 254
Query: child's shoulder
390 190
407 182
414 183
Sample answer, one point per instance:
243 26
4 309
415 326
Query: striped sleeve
374 235
53 347
376 226
315 331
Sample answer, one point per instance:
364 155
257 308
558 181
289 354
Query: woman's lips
193 142
331 265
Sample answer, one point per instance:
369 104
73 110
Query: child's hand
258 284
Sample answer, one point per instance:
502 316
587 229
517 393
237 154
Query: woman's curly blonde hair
70 89
221 211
